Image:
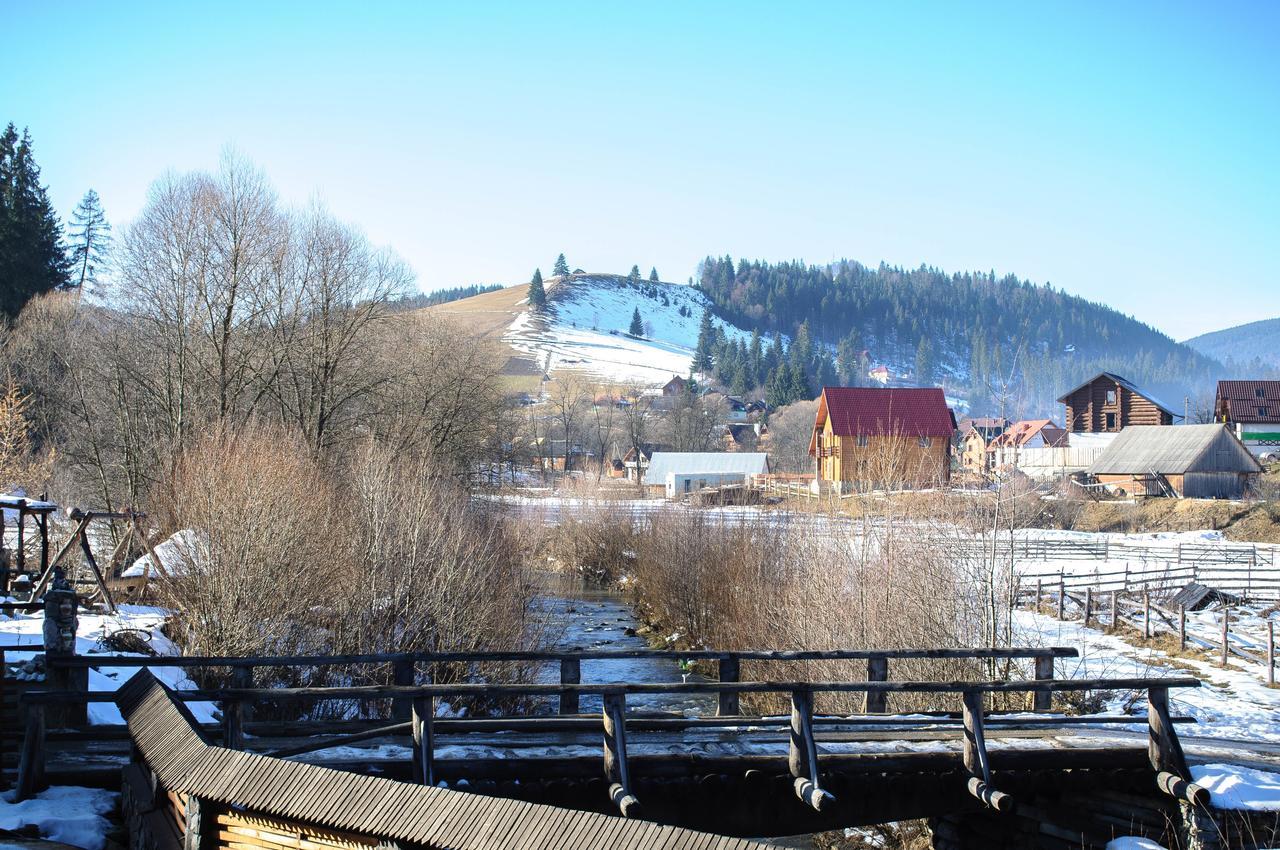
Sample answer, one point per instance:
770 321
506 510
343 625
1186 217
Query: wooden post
424 759
570 674
1115 610
976 761
616 770
1226 621
233 724
242 677
876 702
1182 628
31 759
728 704
1043 700
1062 596
22 533
1271 653
1088 605
1039 595
402 673
1146 614
43 523
1163 748
97 573
802 752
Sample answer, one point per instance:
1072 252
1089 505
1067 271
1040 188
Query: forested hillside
983 337
1253 347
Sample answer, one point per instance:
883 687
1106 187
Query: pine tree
634 277
755 361
32 258
561 267
537 293
702 359
637 324
653 274
90 237
924 363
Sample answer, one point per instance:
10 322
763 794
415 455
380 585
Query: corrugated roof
372 806
1171 450
876 411
662 463
1128 385
1249 401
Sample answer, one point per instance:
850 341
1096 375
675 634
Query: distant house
882 437
636 462
1108 402
1193 461
976 434
1252 410
743 436
675 386
1024 434
681 473
554 456
880 374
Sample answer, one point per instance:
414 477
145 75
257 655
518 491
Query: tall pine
89 238
702 359
637 324
634 277
537 293
561 267
32 259
653 274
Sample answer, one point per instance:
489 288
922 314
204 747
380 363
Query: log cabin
1111 403
873 437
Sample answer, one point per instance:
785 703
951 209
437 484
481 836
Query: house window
926 442
1111 396
1111 421
862 441
1258 393
1264 411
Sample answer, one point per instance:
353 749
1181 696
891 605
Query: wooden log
1088 605
1043 700
402 674
975 745
994 799
1163 748
424 758
233 724
616 769
877 671
570 674
1062 597
1115 610
1182 628
97 573
729 704
1226 621
1146 614
1271 653
38 589
1178 788
31 760
802 752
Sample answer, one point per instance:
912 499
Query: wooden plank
570 674
730 670
877 671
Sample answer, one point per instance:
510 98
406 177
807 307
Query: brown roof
1025 430
1248 401
878 411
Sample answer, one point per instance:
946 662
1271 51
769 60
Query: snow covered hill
584 328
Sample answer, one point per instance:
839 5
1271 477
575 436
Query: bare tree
602 426
790 429
568 399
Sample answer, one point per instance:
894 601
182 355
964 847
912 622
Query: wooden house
975 435
675 386
1110 403
1022 435
1252 410
1191 461
879 437
636 461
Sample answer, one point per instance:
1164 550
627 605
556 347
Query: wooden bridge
982 776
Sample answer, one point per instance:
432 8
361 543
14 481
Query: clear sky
1126 152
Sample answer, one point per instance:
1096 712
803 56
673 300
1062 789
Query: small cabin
1108 403
1190 461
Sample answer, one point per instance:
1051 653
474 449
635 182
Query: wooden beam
1043 700
38 589
402 675
97 573
616 769
730 670
570 674
976 760
32 757
802 752
1164 750
341 740
1178 788
233 724
877 671
424 758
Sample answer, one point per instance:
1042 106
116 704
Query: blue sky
1126 152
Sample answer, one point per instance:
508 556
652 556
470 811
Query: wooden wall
1087 408
841 459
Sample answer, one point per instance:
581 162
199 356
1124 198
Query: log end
812 795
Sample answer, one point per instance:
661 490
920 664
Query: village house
1252 410
882 437
635 462
1192 461
975 435
678 474
1006 449
1110 403
743 436
880 374
675 386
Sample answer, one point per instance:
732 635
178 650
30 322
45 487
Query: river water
582 616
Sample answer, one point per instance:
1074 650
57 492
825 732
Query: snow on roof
1174 449
663 463
176 554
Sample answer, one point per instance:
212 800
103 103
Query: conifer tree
653 274
702 357
561 267
637 324
634 277
90 237
924 362
32 259
537 293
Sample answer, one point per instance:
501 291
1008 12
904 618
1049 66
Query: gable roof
1163 449
1242 400
1128 385
1023 431
877 411
663 463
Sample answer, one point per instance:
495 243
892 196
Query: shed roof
663 463
1174 450
1128 385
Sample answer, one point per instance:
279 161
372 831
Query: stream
588 617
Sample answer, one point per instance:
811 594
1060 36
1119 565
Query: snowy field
585 329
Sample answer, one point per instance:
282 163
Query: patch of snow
1133 842
176 554
1236 787
65 813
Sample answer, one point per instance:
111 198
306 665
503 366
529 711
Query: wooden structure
1252 410
29 517
975 435
1108 402
1190 461
80 537
872 437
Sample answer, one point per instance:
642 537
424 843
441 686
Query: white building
680 473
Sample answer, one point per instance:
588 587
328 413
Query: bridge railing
1165 752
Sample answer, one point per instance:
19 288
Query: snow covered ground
68 814
585 328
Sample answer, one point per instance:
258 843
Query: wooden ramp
213 783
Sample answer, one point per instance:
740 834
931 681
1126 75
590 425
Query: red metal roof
1246 401
907 411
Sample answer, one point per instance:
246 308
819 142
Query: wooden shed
1189 461
1109 402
